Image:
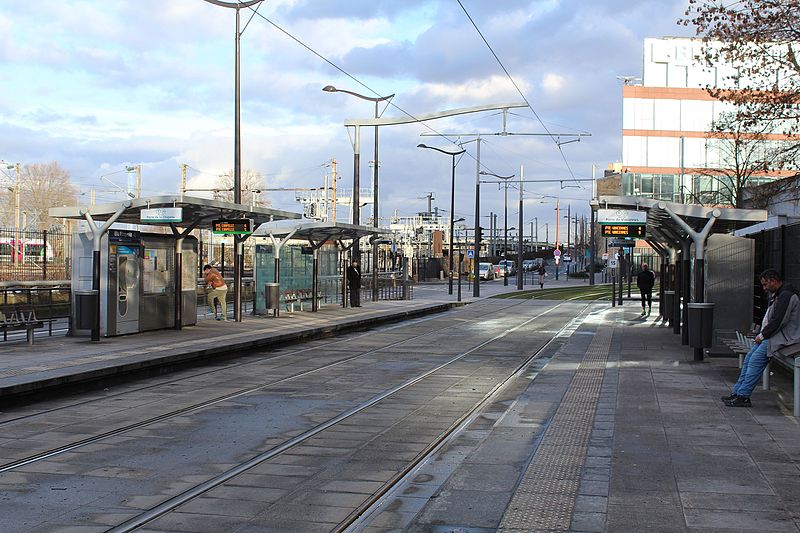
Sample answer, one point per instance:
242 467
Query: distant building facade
668 150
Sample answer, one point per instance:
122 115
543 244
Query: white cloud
552 83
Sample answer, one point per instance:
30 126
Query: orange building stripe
705 135
692 170
666 93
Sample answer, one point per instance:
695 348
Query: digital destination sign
237 226
623 230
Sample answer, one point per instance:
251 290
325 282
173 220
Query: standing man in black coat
645 281
354 280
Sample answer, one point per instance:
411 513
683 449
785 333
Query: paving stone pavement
663 452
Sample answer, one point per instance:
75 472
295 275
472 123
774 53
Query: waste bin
86 308
668 306
272 296
701 324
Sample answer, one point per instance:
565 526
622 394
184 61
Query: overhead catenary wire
514 83
361 83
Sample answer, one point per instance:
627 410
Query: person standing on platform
216 288
542 273
779 328
354 280
645 281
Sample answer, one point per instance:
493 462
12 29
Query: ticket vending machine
124 282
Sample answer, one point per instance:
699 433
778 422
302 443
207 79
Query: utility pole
333 199
138 181
183 178
558 217
17 198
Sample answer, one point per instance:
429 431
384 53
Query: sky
99 86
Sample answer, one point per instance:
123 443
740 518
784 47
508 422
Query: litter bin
86 308
272 296
668 306
701 324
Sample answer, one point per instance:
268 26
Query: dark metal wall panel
729 283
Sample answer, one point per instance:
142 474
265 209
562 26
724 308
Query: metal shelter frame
672 229
197 213
317 234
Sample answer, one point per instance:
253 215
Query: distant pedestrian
645 281
354 281
542 274
216 288
779 328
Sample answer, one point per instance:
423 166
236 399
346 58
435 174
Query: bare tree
747 156
252 188
760 39
41 186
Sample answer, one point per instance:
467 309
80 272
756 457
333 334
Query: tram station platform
621 431
616 429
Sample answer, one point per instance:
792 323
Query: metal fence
776 248
34 255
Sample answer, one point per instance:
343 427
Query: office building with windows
669 151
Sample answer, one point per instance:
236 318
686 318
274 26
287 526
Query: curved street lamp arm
440 150
234 5
332 89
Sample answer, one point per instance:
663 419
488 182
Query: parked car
486 271
502 266
528 265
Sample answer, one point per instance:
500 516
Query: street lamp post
356 200
452 207
237 156
505 223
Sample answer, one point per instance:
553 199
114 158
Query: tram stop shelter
116 303
721 272
316 234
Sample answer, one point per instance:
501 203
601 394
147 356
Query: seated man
779 328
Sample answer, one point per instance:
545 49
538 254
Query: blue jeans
754 364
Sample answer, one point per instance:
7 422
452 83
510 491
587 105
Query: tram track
94 439
200 489
228 367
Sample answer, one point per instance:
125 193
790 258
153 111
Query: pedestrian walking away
779 328
354 281
645 281
216 288
542 273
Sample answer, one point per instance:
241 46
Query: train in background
13 250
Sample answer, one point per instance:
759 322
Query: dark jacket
353 275
541 271
778 304
645 280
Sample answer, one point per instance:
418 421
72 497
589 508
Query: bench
298 297
740 345
17 318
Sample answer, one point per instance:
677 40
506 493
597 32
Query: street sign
471 254
161 214
556 253
605 257
612 263
567 258
621 216
623 230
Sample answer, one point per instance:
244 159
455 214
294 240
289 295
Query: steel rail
200 489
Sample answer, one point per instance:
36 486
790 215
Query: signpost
623 230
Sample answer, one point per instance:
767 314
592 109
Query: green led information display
623 230
237 226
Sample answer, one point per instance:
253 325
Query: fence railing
34 255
